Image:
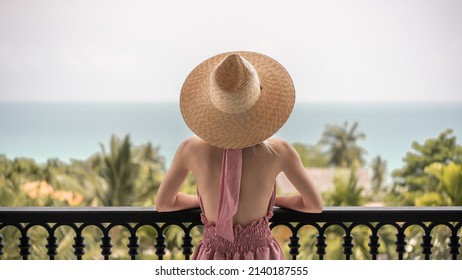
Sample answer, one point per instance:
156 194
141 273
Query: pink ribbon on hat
230 185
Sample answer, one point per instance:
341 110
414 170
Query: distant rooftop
323 179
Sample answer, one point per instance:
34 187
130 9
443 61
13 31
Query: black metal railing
373 219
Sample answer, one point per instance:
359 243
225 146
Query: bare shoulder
187 149
281 146
285 151
193 145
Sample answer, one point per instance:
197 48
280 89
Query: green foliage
450 181
429 199
398 196
430 175
311 156
126 175
346 191
119 171
130 174
337 147
379 173
342 147
8 190
412 175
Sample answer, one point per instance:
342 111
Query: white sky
382 50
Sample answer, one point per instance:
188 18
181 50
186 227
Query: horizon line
177 102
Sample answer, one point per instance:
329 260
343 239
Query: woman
234 102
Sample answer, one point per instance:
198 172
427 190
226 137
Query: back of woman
234 102
260 166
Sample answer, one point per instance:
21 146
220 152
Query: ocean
75 130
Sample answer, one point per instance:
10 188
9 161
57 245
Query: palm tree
450 180
346 191
342 145
151 169
131 175
119 171
379 171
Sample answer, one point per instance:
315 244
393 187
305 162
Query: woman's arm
168 196
309 199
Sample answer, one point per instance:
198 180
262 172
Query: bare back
259 170
260 167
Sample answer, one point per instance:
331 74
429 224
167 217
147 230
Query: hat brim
251 127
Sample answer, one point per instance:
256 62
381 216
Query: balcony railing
345 219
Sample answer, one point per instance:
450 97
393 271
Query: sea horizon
43 130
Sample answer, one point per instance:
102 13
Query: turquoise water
75 130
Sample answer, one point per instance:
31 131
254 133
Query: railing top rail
150 215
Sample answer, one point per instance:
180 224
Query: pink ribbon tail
230 184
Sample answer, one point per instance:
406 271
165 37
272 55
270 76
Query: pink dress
223 240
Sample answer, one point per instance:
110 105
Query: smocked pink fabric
222 240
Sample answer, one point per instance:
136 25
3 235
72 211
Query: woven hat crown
234 85
237 99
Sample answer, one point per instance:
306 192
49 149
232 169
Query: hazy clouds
143 50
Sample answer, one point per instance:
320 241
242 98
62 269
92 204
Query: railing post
374 245
187 246
79 245
454 245
427 245
400 244
106 246
133 245
160 245
52 246
24 246
321 245
347 245
294 244
2 245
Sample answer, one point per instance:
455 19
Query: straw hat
237 99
